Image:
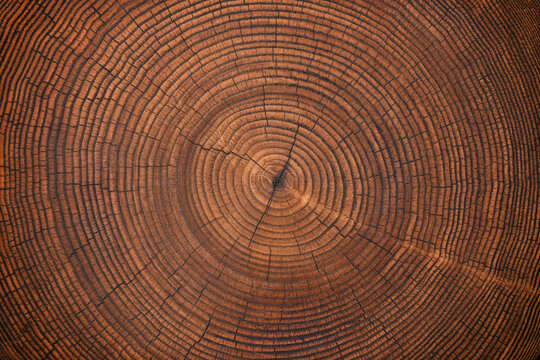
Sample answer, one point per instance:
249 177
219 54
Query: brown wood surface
269 180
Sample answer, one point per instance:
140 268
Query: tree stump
269 180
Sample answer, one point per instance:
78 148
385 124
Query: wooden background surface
269 180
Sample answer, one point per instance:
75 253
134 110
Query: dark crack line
275 185
201 336
289 155
256 163
265 113
269 261
245 157
262 216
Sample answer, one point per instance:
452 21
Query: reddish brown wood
269 180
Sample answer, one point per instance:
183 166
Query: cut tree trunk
269 180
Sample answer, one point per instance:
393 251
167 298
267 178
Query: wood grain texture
269 180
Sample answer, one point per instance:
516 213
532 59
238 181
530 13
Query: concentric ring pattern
269 180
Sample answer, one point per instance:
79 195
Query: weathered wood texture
262 180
